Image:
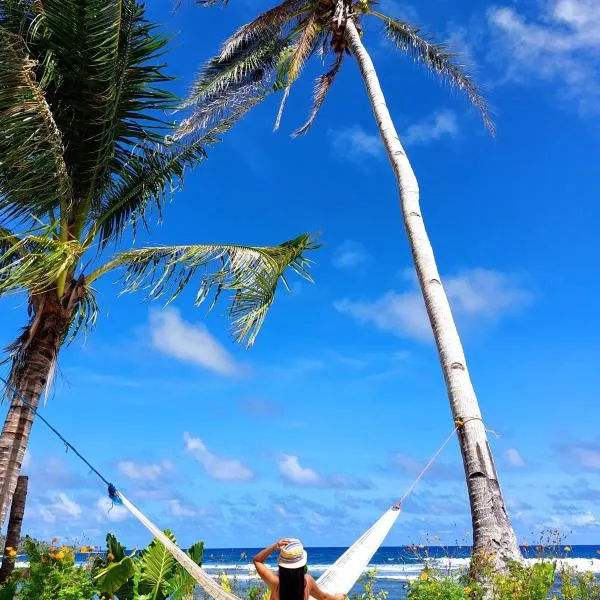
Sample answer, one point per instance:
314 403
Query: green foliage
524 583
54 576
438 589
8 591
152 574
269 53
575 585
367 581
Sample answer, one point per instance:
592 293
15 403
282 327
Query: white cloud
513 457
349 255
584 520
189 343
586 457
354 143
145 471
560 46
441 123
108 511
225 469
292 471
60 507
178 509
476 295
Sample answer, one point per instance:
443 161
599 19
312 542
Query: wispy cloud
583 455
183 511
440 124
189 343
293 472
145 471
479 295
354 144
225 469
349 255
513 458
59 507
560 46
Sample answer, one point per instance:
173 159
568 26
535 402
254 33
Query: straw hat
292 555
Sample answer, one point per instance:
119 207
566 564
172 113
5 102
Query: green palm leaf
182 584
156 567
436 57
250 274
33 174
33 262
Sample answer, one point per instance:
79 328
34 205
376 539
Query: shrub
54 576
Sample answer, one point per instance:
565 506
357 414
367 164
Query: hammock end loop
113 494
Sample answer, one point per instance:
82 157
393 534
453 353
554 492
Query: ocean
395 566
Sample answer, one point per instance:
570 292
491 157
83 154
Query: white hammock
338 579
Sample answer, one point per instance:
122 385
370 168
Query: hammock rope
340 577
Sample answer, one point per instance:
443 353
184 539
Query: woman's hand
282 543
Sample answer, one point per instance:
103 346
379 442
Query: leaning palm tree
267 55
82 166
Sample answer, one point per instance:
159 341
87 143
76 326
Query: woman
291 583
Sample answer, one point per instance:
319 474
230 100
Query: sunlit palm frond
438 58
322 86
34 263
33 174
250 274
267 26
231 87
294 62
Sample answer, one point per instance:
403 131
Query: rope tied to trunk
462 421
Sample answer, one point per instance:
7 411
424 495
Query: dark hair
291 583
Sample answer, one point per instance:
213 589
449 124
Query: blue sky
326 420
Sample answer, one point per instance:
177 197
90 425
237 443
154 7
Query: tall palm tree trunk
15 521
492 530
40 343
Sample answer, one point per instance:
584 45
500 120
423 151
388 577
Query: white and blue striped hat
292 555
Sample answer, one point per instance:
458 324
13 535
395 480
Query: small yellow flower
84 549
467 590
9 549
421 546
567 548
110 556
59 555
12 553
424 576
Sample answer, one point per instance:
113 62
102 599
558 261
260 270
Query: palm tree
82 165
267 55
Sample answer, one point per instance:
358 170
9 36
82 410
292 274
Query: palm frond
295 61
84 316
34 262
33 173
265 27
105 56
322 86
250 274
231 86
438 58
